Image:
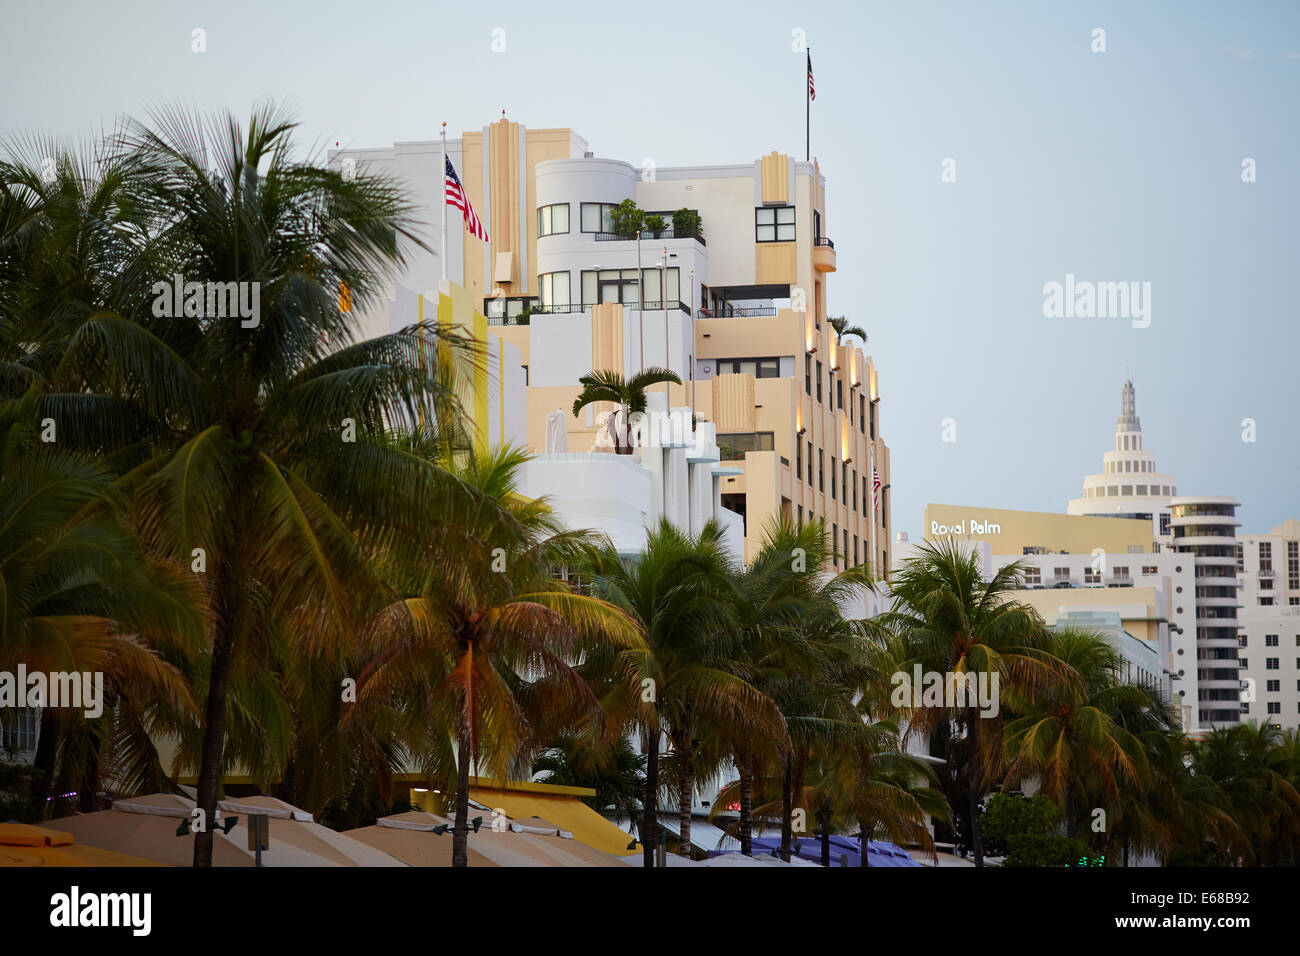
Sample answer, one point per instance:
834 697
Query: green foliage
1026 832
628 219
655 224
686 222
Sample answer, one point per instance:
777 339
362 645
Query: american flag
875 489
812 91
456 197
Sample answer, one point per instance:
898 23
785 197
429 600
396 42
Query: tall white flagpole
442 201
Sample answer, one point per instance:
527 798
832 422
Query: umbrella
24 845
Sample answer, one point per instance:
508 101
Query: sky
1117 166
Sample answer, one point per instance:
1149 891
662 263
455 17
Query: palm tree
684 684
949 620
628 394
252 450
811 661
1068 739
842 327
1253 770
484 640
80 596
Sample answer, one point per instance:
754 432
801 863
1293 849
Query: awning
563 811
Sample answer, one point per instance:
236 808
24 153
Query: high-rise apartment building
1268 570
728 288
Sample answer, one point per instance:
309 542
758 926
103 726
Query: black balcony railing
649 306
736 312
647 234
823 241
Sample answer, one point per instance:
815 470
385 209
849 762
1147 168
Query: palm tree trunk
787 813
88 786
214 724
824 822
685 798
865 837
746 814
649 826
43 765
460 835
973 780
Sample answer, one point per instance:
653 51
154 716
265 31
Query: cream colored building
1078 568
738 309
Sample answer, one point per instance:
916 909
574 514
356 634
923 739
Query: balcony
648 235
823 254
728 311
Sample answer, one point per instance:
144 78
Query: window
1273 686
1274 707
554 288
821 473
1091 576
620 285
839 393
774 224
855 550
19 734
1241 640
798 461
833 471
737 443
844 483
552 220
810 464
807 374
864 494
1270 640
757 367
835 543
1150 569
819 382
1266 602
1033 575
597 217
800 511
862 414
855 489
1270 663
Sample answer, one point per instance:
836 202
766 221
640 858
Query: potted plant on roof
655 224
840 324
628 219
687 224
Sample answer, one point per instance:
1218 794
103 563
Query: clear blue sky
1117 166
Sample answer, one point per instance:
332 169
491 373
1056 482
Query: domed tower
1129 484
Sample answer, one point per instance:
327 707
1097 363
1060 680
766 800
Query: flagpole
807 111
442 250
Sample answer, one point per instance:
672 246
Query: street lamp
663 295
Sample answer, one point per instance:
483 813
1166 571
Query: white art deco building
1129 485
